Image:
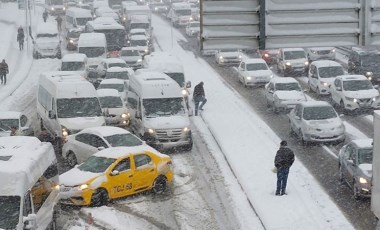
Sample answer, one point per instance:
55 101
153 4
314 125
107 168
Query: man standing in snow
3 72
20 38
283 160
45 15
59 23
199 97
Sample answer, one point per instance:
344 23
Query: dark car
365 61
270 56
72 37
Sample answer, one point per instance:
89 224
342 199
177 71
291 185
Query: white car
141 43
193 28
254 71
292 61
138 31
117 84
47 42
320 53
108 63
322 74
82 145
316 121
119 73
229 56
283 93
132 57
10 119
114 109
354 92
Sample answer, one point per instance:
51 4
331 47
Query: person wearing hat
283 161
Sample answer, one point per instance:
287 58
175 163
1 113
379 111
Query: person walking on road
45 15
20 37
199 97
283 161
59 23
16 132
4 70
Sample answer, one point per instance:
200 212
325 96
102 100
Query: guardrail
343 50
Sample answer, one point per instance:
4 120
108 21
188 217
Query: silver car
355 166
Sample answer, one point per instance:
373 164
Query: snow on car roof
112 81
91 40
324 63
284 80
47 28
363 143
163 61
19 157
352 77
108 93
75 57
10 115
137 30
315 103
139 37
117 152
321 48
113 60
254 60
104 20
292 49
104 131
79 12
117 69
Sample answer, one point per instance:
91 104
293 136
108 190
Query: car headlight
313 51
186 129
351 99
57 187
249 78
64 8
139 60
71 41
155 8
240 57
306 63
151 131
333 51
184 92
271 76
368 74
288 64
52 8
266 55
146 50
83 187
376 98
65 132
221 57
324 83
124 115
363 180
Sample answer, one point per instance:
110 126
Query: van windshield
72 66
159 107
111 102
178 77
10 211
118 140
118 87
78 107
96 164
6 124
91 52
83 21
118 75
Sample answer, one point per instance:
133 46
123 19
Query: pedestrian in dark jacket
45 136
283 160
59 23
45 15
20 37
4 70
199 97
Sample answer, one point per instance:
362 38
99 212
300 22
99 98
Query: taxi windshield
96 164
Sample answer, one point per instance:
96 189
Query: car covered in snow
322 74
229 56
254 71
132 56
354 92
80 146
9 119
138 31
192 28
113 107
355 166
108 63
320 53
316 121
141 43
292 61
74 62
72 37
119 73
115 173
283 93
117 84
47 42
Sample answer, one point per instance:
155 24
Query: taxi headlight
288 64
363 180
186 129
151 131
83 187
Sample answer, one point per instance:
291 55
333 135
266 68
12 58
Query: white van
105 11
29 189
47 42
74 62
180 13
77 18
67 103
158 111
94 46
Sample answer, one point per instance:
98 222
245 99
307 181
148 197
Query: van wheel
71 159
99 198
159 185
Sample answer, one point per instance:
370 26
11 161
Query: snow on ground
249 146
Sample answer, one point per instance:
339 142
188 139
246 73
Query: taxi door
120 179
145 171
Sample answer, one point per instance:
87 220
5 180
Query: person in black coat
20 38
4 70
283 161
199 97
45 15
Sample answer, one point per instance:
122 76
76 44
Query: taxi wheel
71 159
159 185
99 198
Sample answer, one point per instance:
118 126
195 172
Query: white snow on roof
137 30
315 103
118 152
113 60
293 49
99 25
352 77
104 131
112 81
324 63
79 12
254 60
25 156
284 80
117 69
92 40
10 115
139 37
108 93
74 57
363 143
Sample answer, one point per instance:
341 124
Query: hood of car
326 123
79 123
260 73
366 169
5 133
47 42
75 177
290 95
230 54
362 94
170 122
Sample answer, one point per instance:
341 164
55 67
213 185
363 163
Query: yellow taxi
114 173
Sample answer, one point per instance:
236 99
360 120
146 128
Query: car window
123 165
23 120
297 111
337 83
83 137
141 160
348 153
97 142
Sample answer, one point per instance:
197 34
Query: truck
129 10
375 199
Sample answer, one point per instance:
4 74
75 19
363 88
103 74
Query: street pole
26 26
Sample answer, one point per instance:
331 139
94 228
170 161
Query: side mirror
188 84
115 173
297 117
351 162
52 114
30 221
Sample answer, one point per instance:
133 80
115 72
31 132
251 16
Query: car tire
99 198
355 191
341 105
159 185
71 159
189 146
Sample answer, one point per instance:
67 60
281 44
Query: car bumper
73 196
257 81
117 121
168 142
350 105
313 137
